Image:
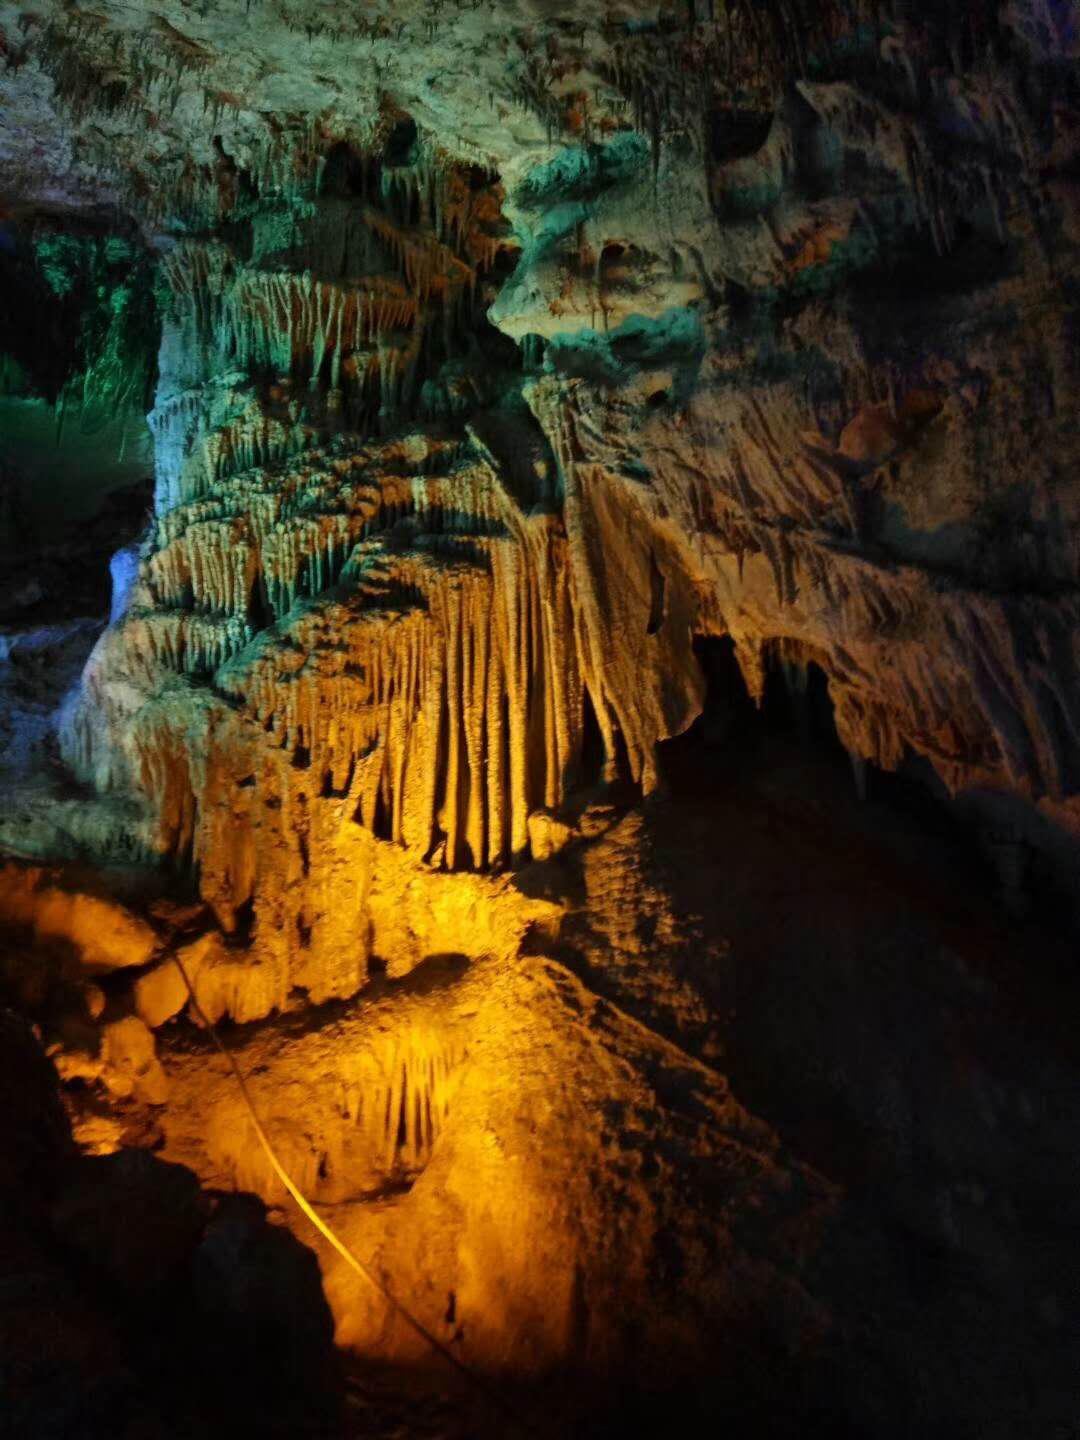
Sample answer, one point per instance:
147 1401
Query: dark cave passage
986 849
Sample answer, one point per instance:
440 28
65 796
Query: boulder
130 1067
547 836
239 983
132 1217
93 998
160 994
103 934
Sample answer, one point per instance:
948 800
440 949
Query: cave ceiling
778 260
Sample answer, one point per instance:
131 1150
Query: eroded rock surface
535 388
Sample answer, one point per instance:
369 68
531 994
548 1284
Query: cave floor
844 966
831 989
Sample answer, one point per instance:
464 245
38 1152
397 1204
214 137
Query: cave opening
789 743
78 367
795 712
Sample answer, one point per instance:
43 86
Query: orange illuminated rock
160 994
547 835
500 1135
120 1055
101 933
230 982
93 998
130 1067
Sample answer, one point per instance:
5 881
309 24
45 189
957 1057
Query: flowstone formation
545 403
799 343
352 618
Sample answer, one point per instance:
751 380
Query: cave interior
539 718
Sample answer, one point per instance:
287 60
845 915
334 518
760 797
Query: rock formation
533 388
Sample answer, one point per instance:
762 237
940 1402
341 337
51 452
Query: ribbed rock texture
517 366
794 300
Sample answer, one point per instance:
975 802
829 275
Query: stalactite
345 622
389 1101
372 673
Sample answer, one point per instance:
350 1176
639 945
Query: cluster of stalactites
259 540
288 322
154 77
241 568
1000 700
375 269
441 700
399 1095
207 433
355 349
388 1101
189 644
432 685
394 642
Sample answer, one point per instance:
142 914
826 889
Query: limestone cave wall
793 365
517 370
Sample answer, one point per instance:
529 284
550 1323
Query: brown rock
103 934
160 993
93 999
130 1067
547 835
